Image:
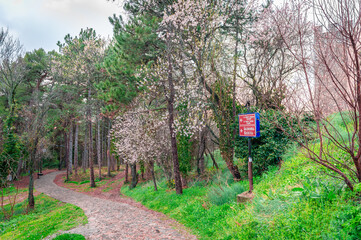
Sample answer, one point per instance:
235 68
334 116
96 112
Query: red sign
247 125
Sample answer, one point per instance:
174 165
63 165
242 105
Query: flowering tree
140 135
195 31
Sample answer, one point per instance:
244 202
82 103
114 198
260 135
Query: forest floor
111 216
21 186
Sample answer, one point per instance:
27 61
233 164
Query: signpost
249 127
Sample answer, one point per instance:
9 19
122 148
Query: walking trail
112 220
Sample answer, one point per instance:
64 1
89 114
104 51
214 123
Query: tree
78 65
268 65
328 50
196 24
12 70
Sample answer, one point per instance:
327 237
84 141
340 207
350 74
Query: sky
42 23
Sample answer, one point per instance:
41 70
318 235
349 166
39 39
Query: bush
267 150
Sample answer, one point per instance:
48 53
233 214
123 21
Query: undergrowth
292 202
48 217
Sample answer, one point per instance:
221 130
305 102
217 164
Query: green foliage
317 189
267 150
68 236
357 188
136 43
184 146
11 152
291 203
48 217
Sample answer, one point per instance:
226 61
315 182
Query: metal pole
250 173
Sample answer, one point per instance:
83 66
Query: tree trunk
202 148
126 173
234 83
108 150
66 156
19 168
133 168
118 164
151 164
103 142
114 162
85 150
91 167
76 152
60 157
70 149
213 159
99 150
177 177
31 199
142 169
227 149
228 158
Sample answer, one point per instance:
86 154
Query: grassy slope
290 203
48 217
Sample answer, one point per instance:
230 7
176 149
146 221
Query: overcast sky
42 23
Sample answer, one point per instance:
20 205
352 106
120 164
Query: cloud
41 23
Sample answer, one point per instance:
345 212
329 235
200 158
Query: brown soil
112 195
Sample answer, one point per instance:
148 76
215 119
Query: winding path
112 220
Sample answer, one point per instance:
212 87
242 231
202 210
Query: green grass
10 190
68 236
48 217
294 202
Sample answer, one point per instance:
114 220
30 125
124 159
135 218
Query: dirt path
112 220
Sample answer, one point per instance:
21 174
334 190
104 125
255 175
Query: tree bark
234 83
31 199
99 150
133 168
76 152
103 142
201 150
177 177
118 164
19 168
151 164
126 173
70 149
108 150
85 150
91 167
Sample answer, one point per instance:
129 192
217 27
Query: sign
249 125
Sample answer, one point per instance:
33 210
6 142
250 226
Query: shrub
267 150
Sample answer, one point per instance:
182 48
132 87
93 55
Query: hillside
295 201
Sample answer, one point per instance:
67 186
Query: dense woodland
162 97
